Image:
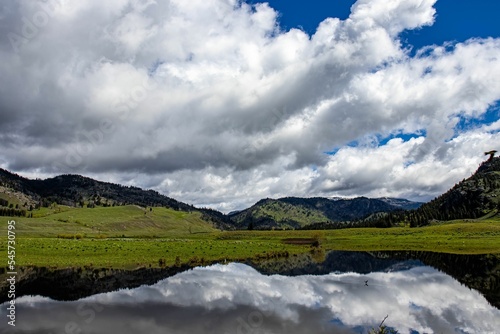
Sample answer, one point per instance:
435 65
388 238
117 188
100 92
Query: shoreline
66 284
479 272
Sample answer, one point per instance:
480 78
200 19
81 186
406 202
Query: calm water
236 298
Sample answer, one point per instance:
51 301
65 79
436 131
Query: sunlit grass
131 236
119 221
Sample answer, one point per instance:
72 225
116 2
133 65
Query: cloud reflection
236 298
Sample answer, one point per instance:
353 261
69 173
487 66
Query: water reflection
479 272
236 298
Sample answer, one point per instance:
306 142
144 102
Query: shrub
70 236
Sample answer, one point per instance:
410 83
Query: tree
383 329
491 153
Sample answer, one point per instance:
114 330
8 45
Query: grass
281 211
135 252
130 236
129 221
13 197
459 238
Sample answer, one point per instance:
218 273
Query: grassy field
129 221
127 237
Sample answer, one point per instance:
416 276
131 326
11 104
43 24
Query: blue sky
206 102
456 20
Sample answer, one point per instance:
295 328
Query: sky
220 103
235 298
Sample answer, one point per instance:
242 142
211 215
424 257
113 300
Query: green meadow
130 221
131 236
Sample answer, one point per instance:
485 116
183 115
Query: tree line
12 212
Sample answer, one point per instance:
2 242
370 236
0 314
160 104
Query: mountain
401 203
294 212
475 197
77 190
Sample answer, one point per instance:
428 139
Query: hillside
74 190
128 221
294 212
474 197
79 192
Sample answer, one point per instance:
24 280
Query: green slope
460 238
295 212
275 213
78 191
128 221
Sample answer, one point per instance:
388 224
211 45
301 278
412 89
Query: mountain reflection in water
236 298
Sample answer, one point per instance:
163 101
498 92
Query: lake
346 292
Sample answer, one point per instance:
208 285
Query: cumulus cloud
212 102
237 299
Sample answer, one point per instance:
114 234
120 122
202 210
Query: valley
73 221
126 237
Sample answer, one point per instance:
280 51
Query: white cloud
422 299
220 106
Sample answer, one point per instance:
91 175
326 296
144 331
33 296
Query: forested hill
475 197
77 190
295 212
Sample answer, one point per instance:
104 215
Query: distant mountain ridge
295 212
288 212
474 197
77 190
401 203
